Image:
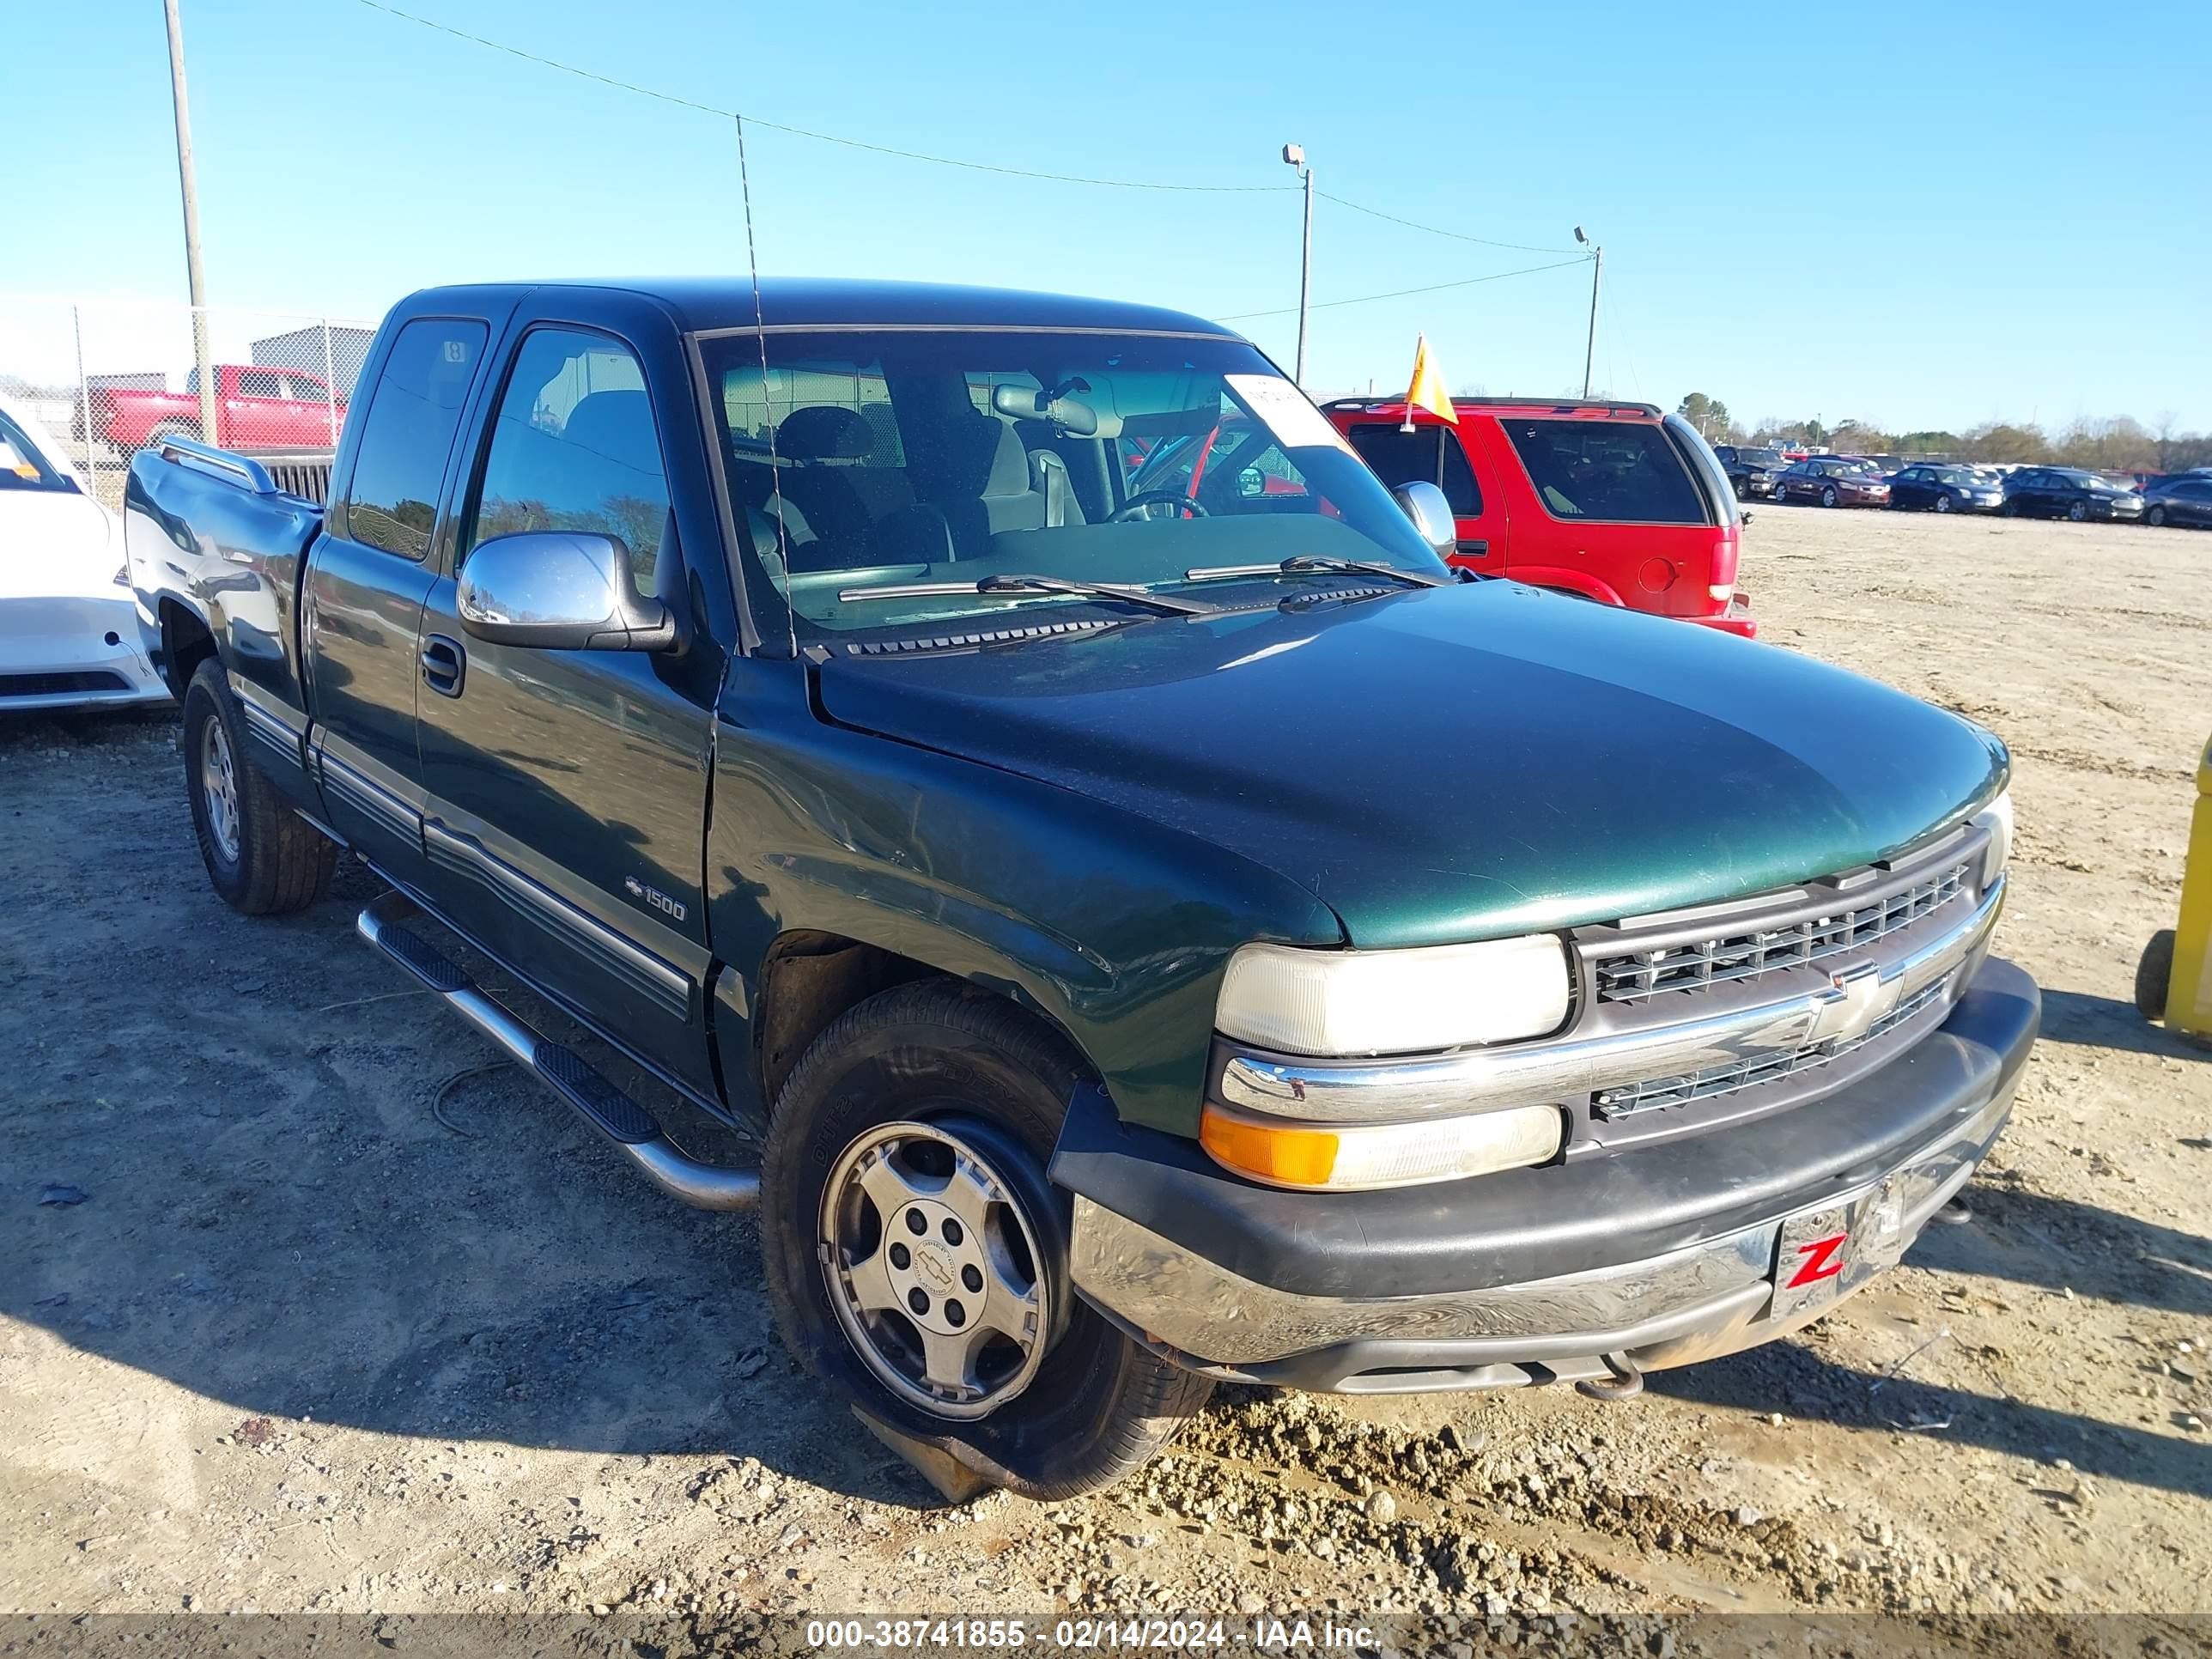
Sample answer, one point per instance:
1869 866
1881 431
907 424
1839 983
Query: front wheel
1828 495
1942 503
916 1255
263 857
2078 512
2155 517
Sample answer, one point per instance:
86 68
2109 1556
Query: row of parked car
2032 492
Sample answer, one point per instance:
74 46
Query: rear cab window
399 466
1605 471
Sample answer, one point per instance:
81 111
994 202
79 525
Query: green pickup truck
1155 937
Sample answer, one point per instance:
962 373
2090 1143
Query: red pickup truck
1614 501
256 407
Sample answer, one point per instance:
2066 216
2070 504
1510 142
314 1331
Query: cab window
391 500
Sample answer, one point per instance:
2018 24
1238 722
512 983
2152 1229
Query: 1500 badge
660 900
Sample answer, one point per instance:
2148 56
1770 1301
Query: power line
819 137
1457 236
1400 294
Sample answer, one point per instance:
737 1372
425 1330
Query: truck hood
1454 763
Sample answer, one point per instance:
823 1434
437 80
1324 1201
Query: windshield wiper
1299 563
1064 586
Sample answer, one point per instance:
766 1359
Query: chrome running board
632 1128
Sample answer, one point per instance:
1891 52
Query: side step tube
612 1112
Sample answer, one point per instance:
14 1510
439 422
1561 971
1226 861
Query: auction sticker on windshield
1284 409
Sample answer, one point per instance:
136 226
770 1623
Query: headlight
1394 1002
1997 815
1349 1157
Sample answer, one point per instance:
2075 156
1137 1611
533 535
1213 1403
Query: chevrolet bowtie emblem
1855 999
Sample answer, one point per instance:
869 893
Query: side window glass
1460 488
574 447
260 383
413 413
1428 454
1619 471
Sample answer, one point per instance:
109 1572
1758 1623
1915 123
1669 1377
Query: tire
1943 503
1827 495
262 857
2155 517
941 1058
2153 974
2077 512
173 430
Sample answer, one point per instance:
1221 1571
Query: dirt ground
350 1319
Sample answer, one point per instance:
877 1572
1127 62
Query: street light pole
1295 155
1597 270
202 359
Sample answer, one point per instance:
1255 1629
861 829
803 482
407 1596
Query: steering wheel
1149 498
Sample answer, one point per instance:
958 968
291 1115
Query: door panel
567 790
359 618
567 801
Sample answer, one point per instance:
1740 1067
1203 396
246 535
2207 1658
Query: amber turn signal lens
1361 1157
1286 1154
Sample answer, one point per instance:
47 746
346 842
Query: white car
70 630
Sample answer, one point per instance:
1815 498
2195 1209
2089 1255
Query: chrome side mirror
560 590
1424 504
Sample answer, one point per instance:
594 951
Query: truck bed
216 550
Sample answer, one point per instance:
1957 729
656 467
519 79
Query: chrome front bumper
1730 1289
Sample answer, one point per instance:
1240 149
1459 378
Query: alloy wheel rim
934 1269
219 787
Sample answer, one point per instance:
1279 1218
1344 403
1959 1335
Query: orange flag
1426 390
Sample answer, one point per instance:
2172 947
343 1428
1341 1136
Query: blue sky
1920 219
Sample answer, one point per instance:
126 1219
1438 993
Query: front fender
1114 928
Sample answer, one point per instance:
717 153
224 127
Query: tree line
2120 445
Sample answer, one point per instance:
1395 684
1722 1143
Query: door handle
1476 549
444 664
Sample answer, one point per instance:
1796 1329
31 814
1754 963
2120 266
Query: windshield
21 465
907 458
1762 457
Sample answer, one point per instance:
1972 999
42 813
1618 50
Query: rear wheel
263 857
916 1255
173 429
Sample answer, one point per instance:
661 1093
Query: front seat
1050 478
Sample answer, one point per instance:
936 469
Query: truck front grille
1653 1092
1637 975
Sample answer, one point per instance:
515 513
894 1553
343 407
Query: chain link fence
106 378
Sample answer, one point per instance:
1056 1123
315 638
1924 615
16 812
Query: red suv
1614 501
